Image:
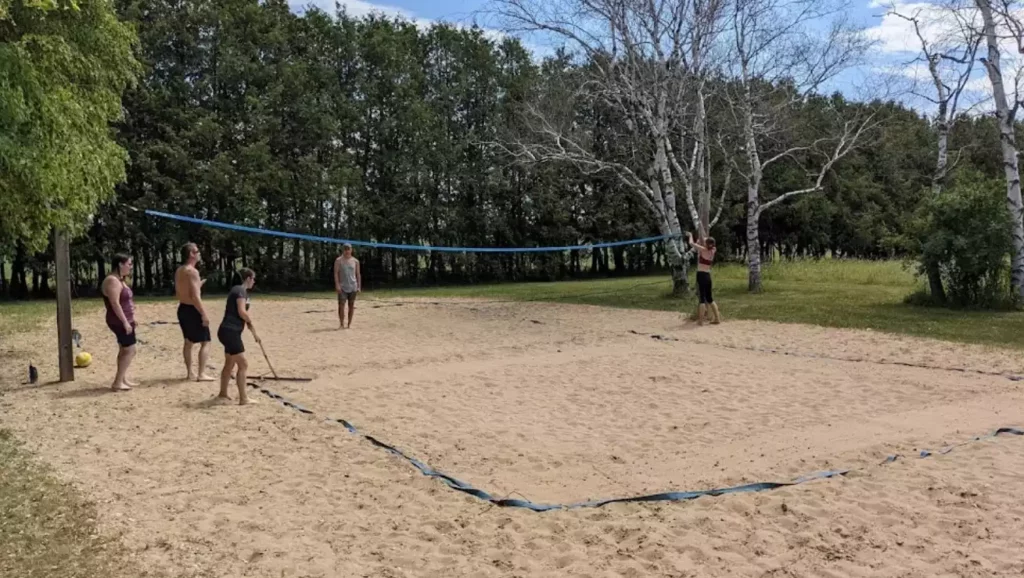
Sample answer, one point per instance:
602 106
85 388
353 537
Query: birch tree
949 59
999 19
775 60
647 61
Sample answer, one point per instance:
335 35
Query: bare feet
130 383
204 377
223 397
120 387
247 401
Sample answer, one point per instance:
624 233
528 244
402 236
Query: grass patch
832 293
46 529
23 316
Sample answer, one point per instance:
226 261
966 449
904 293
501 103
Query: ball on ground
83 359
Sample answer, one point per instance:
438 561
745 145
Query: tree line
377 129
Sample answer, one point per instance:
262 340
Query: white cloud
899 51
357 8
895 34
360 9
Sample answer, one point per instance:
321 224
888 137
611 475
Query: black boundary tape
1010 376
676 496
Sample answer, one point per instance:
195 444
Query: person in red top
705 258
120 305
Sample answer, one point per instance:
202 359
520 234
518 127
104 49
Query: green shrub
965 233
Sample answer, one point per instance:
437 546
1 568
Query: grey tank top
348 275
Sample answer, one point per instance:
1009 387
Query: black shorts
704 287
123 339
350 297
191 322
232 340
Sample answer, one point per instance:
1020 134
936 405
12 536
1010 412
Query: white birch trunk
942 160
753 197
935 287
753 239
703 188
1008 142
668 221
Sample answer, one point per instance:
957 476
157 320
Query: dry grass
47 530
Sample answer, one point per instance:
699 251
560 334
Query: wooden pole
63 263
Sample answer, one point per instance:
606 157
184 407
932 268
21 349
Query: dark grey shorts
350 297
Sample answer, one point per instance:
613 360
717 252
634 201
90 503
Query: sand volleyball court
554 404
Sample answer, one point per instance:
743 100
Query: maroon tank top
126 298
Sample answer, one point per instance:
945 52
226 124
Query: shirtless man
195 325
348 280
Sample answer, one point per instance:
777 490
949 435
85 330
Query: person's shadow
97 391
209 403
88 392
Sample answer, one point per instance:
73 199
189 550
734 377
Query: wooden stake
63 263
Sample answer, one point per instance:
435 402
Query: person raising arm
705 258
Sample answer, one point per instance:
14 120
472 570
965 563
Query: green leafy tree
63 68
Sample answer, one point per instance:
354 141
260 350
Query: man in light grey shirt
348 280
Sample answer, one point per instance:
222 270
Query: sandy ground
547 402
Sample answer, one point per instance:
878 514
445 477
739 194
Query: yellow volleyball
83 359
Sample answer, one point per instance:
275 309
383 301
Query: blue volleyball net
291 260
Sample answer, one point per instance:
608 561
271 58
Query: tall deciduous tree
776 58
63 68
950 63
997 18
648 62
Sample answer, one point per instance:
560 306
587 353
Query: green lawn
852 294
848 294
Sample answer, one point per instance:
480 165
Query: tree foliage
377 129
965 233
63 68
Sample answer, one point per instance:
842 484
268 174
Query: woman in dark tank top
119 302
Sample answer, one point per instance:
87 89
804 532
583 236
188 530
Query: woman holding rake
236 319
